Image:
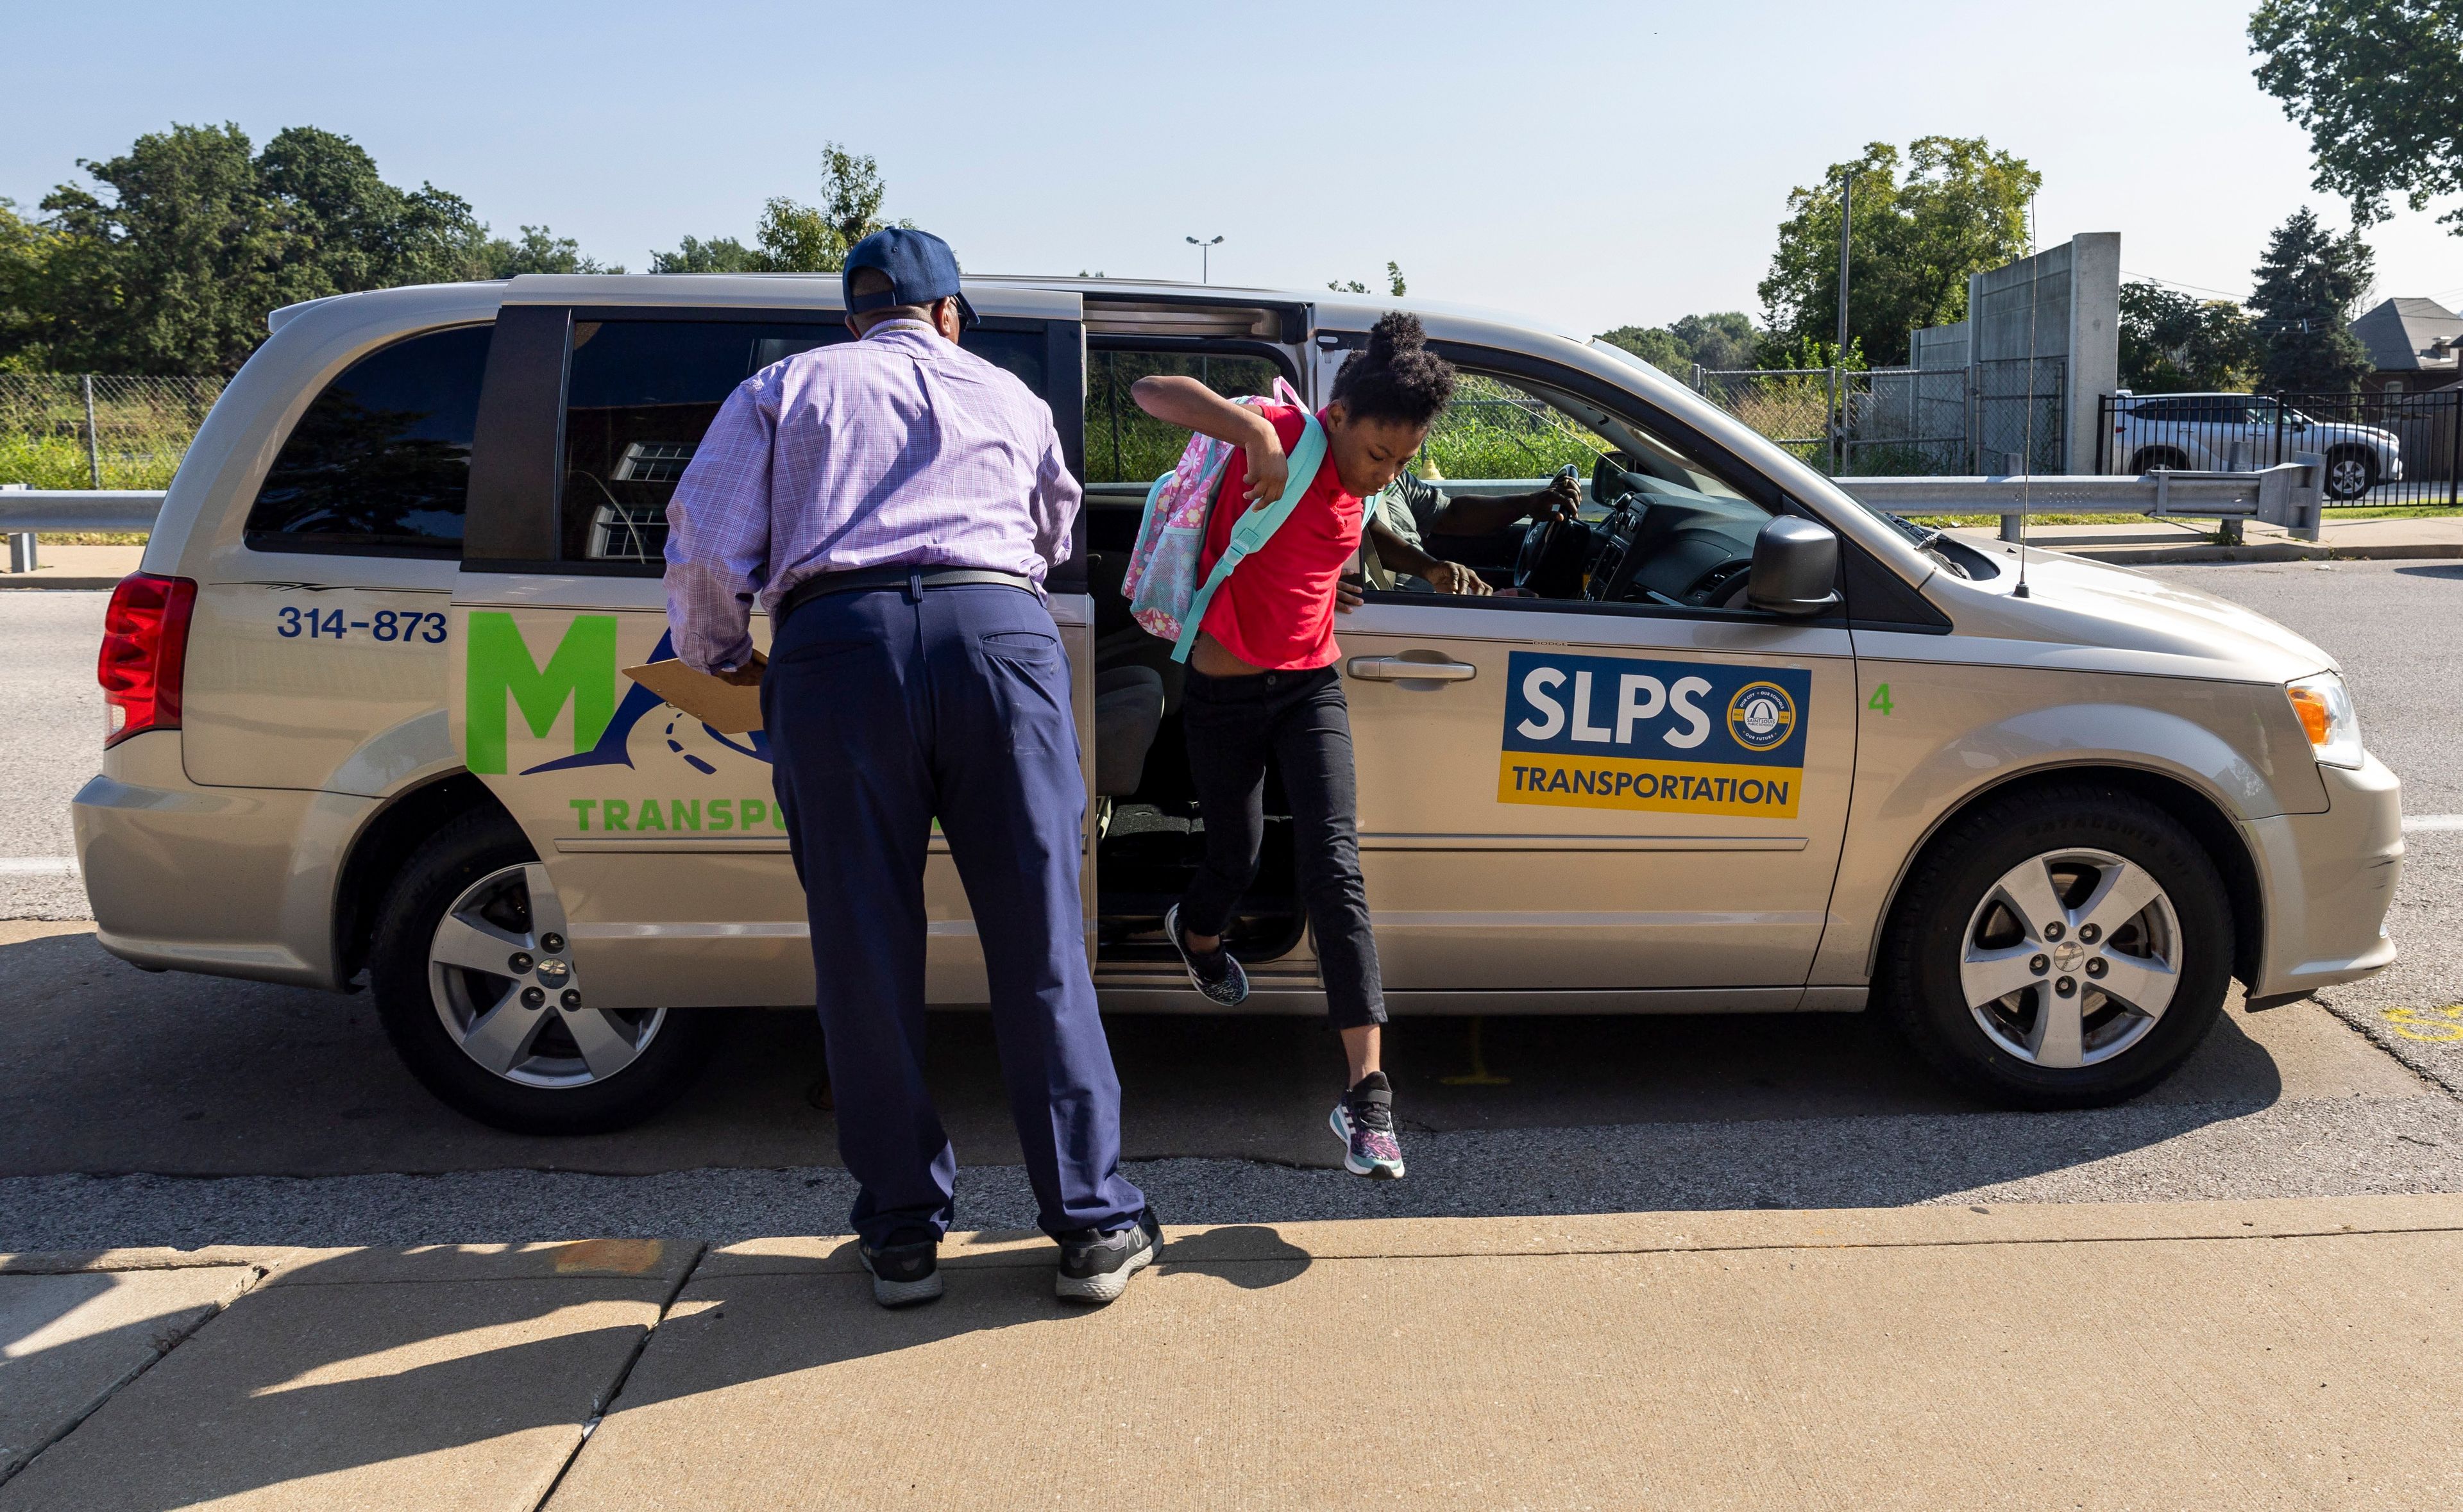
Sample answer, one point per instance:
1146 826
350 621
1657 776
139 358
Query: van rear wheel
477 988
2067 948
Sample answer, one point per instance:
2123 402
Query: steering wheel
1550 564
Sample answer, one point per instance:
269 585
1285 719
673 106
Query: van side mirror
1796 568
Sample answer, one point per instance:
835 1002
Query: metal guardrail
26 510
2289 494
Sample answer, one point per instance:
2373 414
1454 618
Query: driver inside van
1412 510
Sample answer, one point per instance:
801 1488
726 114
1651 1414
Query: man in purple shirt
894 503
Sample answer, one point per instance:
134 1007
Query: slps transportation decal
1670 737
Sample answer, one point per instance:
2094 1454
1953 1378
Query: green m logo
580 671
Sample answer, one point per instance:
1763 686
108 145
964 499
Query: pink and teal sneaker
1364 1121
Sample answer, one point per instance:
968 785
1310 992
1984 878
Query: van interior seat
1128 711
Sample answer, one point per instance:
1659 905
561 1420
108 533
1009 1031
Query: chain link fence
1902 421
98 430
1792 406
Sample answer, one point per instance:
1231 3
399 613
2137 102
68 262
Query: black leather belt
826 583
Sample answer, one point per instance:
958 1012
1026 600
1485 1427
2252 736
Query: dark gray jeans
1233 725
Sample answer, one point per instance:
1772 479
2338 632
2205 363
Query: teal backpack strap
1255 528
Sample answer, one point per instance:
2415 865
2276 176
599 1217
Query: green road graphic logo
581 671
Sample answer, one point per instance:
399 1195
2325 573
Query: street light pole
1205 256
1838 352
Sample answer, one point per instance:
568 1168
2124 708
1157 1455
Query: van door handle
1399 669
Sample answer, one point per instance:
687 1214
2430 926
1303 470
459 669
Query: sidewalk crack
162 1351
605 1403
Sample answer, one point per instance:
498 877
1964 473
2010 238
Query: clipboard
715 702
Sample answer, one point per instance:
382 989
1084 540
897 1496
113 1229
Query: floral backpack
1165 594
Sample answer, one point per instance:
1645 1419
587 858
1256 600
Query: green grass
60 462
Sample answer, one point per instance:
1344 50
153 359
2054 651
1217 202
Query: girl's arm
1190 405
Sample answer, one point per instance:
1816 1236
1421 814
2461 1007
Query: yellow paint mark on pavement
2432 1026
609 1257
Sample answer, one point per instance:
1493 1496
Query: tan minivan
1729 743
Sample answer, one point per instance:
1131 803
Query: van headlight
2325 708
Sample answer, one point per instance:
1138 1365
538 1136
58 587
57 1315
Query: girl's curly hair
1395 376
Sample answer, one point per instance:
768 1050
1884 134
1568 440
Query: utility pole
1205 256
1838 356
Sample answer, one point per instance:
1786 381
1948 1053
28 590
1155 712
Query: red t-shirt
1277 609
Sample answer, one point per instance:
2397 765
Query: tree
720 254
171 260
2376 83
1962 208
794 237
1394 284
2307 287
26 248
540 250
1726 339
2172 343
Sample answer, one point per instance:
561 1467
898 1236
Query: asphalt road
140 1108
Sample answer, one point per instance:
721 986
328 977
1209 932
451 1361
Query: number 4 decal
1879 701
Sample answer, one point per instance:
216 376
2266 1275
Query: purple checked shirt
895 450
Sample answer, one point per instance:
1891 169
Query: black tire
462 854
1919 989
2350 473
2150 458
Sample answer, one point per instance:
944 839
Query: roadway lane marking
2414 822
38 866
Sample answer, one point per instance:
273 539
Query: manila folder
715 702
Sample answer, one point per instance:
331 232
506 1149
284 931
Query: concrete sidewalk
85 567
2150 542
2269 1354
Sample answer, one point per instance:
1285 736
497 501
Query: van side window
380 461
1127 444
641 394
1659 530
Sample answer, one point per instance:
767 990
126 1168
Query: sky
1589 166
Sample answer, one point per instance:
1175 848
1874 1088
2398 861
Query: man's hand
746 676
1453 577
1349 594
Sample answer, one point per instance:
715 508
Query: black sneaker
1215 974
1096 1267
906 1271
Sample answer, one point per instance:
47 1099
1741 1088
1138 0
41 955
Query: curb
2272 551
8 580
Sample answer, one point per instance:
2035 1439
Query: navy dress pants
887 708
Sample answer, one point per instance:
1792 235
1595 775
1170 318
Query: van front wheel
2065 949
477 986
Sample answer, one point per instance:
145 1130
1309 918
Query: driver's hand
1564 499
1349 594
1453 577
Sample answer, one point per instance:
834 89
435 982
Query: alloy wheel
2071 957
2347 478
501 973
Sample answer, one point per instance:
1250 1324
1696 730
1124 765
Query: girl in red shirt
1262 684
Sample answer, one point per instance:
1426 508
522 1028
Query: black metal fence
2379 448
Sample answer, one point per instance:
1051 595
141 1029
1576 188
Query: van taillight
144 648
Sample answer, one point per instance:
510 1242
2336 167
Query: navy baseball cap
921 268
